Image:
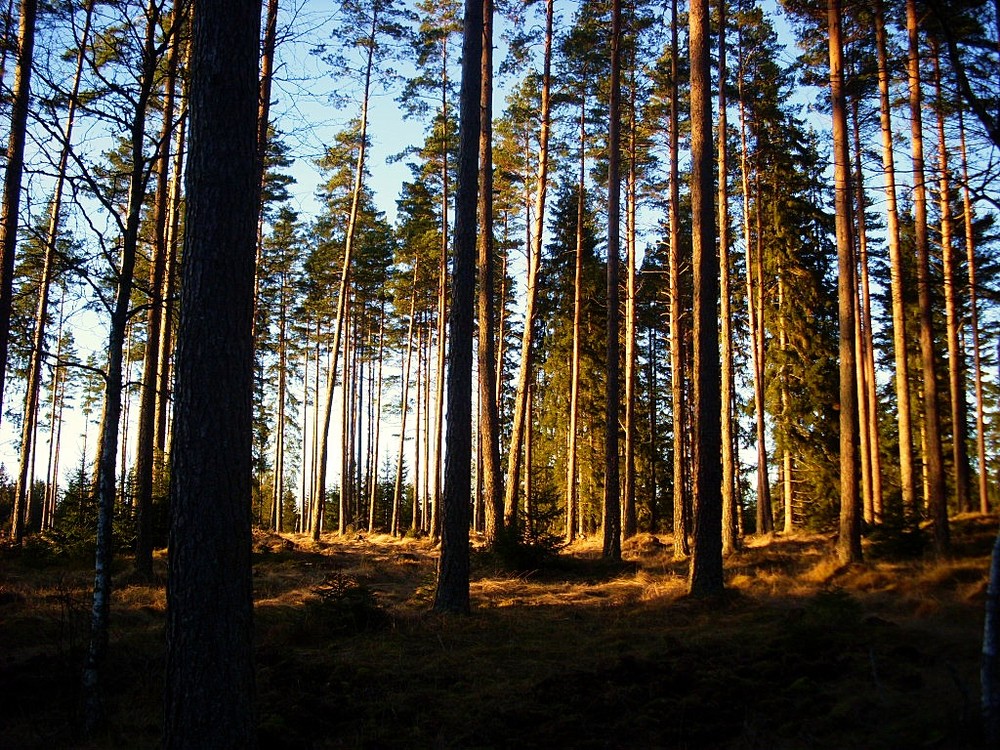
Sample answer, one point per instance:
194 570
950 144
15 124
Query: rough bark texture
678 409
209 699
706 553
489 419
452 593
849 539
612 498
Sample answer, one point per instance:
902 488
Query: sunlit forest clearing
569 650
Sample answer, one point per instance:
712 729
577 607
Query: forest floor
570 652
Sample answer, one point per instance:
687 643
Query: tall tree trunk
146 439
12 176
323 435
867 396
849 539
209 698
935 496
22 489
956 379
907 469
628 521
93 712
489 417
678 408
755 291
374 487
611 521
572 493
534 265
730 461
397 495
860 250
452 594
971 262
706 554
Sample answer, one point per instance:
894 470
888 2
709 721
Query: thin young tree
210 692
611 520
370 45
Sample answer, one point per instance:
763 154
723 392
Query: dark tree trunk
452 593
612 484
209 699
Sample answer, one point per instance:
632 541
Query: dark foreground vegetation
570 651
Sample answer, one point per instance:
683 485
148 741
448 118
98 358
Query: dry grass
577 652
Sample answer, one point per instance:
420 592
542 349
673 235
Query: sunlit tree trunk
970 257
322 436
730 538
519 424
678 409
373 490
397 495
754 299
956 379
628 521
849 538
572 492
902 378
868 395
489 417
934 463
706 554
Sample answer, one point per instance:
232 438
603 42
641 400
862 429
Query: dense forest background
554 275
101 207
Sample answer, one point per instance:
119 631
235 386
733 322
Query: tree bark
489 417
209 698
907 470
678 409
849 538
730 461
935 495
956 366
452 594
534 266
612 487
706 577
972 263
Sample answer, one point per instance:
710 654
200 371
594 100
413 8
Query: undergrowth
563 648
